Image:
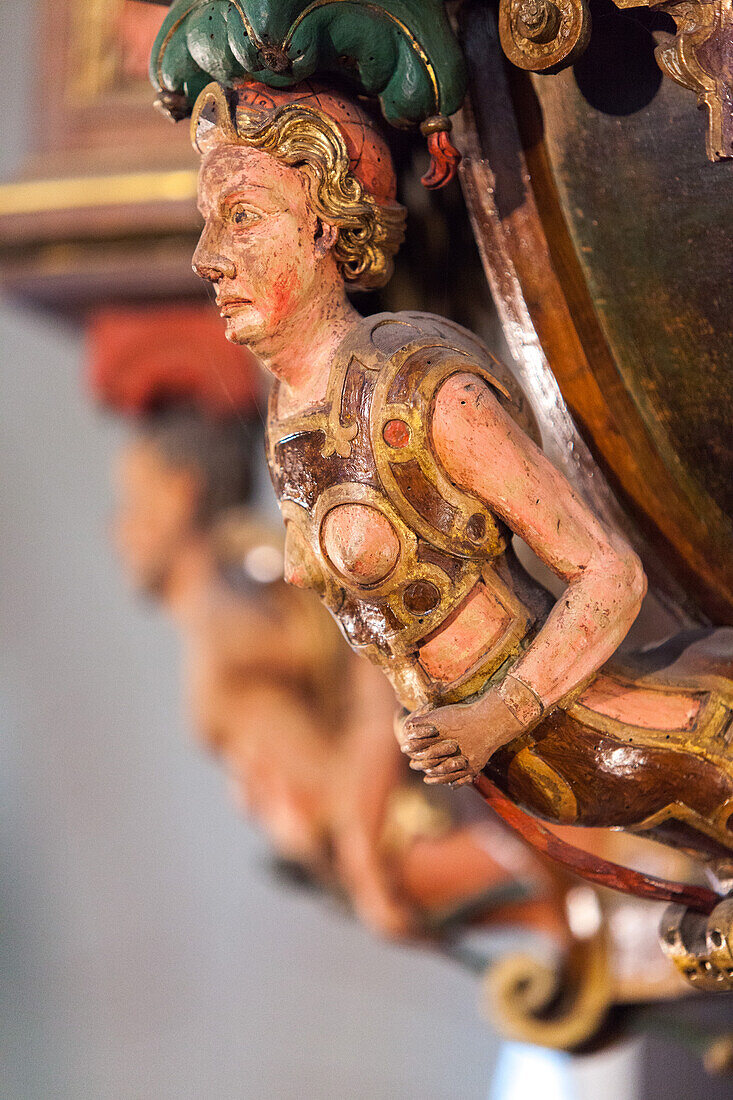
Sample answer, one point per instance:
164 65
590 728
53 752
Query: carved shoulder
466 419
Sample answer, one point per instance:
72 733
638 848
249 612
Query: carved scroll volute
701 58
543 35
562 1006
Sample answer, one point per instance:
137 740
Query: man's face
155 515
259 246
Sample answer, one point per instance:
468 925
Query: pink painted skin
281 293
270 258
483 451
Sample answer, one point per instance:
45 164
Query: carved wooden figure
302 727
403 459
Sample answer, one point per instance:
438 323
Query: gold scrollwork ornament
543 35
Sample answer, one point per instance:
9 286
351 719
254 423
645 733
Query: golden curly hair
306 138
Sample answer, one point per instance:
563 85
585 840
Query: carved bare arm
483 451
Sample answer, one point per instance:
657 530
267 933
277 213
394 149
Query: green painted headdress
401 51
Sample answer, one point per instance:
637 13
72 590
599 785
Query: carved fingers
438 757
451 744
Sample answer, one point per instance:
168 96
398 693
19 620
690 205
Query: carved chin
243 326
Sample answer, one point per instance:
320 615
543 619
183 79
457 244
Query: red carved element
396 434
444 161
593 868
141 357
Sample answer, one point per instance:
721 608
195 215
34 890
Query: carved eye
241 214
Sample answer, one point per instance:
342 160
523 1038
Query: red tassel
444 160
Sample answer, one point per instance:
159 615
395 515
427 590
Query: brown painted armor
369 444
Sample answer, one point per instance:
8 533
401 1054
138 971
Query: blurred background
145 947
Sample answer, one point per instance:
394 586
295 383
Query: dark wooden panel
634 328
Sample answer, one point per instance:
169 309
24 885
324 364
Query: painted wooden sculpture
404 461
403 457
303 728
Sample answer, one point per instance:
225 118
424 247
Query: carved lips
228 306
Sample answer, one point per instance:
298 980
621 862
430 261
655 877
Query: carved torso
407 563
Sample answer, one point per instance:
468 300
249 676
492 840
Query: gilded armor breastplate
368 445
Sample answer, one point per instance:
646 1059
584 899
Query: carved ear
326 236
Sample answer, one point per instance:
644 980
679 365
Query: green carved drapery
402 51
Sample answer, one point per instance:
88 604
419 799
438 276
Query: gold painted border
39 196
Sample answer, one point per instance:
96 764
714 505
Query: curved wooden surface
612 241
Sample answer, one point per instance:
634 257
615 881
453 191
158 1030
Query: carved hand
451 744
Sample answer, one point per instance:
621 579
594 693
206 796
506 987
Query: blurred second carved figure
303 727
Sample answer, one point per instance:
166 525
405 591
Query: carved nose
213 267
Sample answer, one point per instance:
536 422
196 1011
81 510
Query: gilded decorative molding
37 196
700 58
543 36
561 1006
701 946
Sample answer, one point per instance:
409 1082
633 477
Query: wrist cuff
524 703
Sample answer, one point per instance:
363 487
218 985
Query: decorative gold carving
560 1006
408 568
701 58
474 536
700 947
548 35
556 791
339 436
542 35
468 509
707 739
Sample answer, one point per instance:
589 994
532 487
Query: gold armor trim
397 652
706 738
555 790
416 414
403 644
